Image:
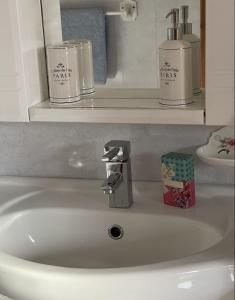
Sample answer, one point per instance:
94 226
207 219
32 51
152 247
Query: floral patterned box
178 179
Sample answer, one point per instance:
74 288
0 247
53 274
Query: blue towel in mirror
88 24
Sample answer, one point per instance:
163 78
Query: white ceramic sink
79 239
55 243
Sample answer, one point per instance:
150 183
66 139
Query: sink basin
58 238
80 239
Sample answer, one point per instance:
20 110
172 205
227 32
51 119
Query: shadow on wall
146 167
112 47
229 296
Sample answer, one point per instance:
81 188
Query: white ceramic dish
220 149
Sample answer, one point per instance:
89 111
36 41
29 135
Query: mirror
132 47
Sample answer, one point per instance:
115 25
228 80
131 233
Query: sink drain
115 232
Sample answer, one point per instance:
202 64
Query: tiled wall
74 150
133 46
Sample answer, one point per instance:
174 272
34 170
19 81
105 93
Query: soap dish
220 149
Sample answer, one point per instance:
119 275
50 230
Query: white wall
23 80
133 46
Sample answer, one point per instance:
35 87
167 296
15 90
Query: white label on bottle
176 74
168 73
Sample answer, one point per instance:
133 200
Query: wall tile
74 150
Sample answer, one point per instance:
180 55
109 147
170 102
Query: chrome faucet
118 185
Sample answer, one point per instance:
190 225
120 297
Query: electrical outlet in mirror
220 149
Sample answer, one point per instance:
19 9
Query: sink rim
216 255
223 248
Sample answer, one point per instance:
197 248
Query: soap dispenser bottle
188 36
175 62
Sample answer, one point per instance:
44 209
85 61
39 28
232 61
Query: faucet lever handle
108 156
119 149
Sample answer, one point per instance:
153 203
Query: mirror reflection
132 56
132 44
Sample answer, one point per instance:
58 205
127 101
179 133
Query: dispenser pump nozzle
185 25
185 13
174 33
174 13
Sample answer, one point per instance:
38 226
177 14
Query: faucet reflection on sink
118 185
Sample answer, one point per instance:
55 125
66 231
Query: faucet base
118 204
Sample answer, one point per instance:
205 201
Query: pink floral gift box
178 179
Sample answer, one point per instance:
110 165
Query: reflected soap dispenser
187 30
175 62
